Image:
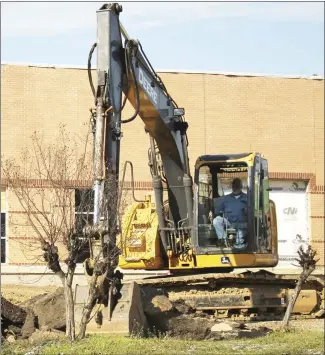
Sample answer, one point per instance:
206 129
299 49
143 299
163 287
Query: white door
290 199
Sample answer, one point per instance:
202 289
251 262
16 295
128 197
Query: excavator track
248 296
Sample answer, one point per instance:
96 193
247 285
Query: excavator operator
232 213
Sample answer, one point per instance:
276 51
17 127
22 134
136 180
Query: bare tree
53 186
44 180
307 262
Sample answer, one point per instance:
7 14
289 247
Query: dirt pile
44 314
11 312
177 319
45 310
49 309
189 327
16 321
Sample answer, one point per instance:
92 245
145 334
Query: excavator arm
126 69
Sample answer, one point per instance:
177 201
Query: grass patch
294 342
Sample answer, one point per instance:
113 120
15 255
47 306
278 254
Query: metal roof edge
173 71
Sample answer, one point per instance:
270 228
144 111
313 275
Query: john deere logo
290 211
225 260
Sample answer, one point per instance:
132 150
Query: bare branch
307 261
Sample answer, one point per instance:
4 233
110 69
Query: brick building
282 117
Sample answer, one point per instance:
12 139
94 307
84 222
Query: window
84 208
205 194
84 215
214 183
3 226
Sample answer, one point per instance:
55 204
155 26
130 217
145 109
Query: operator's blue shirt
235 210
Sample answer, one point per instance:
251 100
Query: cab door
262 225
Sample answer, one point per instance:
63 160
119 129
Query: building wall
281 117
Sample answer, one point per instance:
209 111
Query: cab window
214 184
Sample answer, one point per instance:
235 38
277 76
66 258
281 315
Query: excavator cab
213 177
255 232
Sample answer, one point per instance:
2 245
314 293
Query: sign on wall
290 199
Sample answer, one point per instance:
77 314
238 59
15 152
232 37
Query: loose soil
24 309
47 304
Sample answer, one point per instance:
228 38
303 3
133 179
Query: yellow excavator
175 231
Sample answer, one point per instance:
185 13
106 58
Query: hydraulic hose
91 79
128 57
89 68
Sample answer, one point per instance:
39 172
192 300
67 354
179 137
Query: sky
282 38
